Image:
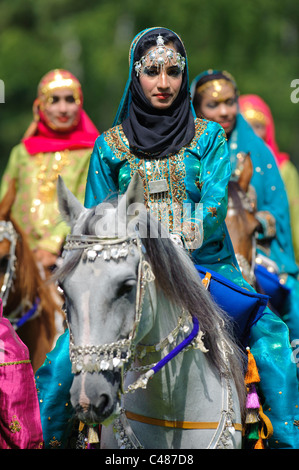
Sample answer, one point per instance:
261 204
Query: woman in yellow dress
58 142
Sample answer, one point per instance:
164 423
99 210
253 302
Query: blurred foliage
256 41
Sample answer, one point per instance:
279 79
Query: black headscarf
154 132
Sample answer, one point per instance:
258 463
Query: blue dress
272 203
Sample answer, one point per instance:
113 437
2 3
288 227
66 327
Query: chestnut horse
241 222
27 300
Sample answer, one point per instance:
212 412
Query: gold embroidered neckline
167 173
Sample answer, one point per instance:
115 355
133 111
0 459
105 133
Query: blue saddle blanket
244 307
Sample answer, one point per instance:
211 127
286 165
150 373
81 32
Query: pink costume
20 423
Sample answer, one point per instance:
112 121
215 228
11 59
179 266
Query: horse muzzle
95 396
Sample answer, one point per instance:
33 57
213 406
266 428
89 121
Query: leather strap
177 424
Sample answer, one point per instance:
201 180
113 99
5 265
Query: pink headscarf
254 102
40 137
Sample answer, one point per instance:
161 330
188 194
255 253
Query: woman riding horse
215 97
185 169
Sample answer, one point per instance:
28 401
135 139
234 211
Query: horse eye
126 287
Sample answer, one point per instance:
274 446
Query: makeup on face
219 103
61 110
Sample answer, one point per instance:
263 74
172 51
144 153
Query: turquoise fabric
204 163
270 190
279 387
271 196
53 381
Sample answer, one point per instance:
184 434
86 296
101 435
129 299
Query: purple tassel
252 400
91 446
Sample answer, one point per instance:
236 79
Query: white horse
152 355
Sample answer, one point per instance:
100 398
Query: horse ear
69 206
131 205
135 192
133 197
8 200
246 173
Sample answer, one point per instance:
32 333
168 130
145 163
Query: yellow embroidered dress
35 208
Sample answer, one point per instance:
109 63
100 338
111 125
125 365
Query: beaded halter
111 356
8 232
115 355
160 57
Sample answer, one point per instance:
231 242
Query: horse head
240 219
102 280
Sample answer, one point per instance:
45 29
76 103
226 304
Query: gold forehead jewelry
251 115
216 84
61 82
159 57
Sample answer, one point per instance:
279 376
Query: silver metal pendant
158 186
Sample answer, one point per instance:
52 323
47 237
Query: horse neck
171 379
28 285
159 314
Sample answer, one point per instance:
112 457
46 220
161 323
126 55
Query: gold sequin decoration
54 443
212 211
48 174
166 205
15 425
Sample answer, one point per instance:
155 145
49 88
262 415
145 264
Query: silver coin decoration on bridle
96 358
8 232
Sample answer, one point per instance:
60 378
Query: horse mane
31 284
179 281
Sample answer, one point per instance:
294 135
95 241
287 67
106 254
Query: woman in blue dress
215 97
184 165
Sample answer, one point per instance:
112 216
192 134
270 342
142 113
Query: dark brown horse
28 301
241 222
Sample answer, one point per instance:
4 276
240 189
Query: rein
17 318
8 232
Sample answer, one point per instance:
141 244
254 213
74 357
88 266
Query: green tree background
256 41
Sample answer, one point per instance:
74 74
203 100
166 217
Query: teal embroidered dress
197 177
191 180
275 242
272 199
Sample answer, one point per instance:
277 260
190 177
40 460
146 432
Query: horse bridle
115 355
18 317
8 232
95 358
